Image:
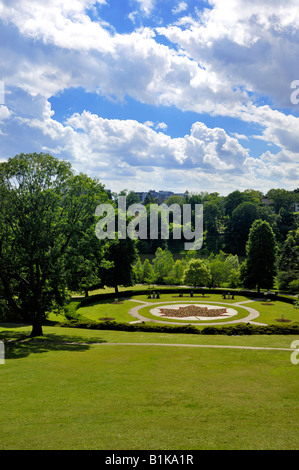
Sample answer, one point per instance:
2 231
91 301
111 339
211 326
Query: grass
64 392
145 311
57 395
78 335
99 311
270 312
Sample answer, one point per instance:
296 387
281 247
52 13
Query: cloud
146 6
181 6
62 23
236 59
253 45
203 75
125 150
92 142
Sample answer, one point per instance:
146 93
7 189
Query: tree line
227 222
228 219
258 270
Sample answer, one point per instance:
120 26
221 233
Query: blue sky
155 94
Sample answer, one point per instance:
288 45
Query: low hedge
238 329
186 290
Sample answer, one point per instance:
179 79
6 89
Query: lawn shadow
13 325
95 302
19 345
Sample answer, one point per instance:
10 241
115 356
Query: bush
294 286
285 278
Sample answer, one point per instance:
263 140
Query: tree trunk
116 289
37 329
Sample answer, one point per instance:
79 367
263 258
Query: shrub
294 286
285 278
240 329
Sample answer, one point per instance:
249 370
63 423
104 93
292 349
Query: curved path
253 314
180 345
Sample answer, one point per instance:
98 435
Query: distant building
161 195
142 195
266 201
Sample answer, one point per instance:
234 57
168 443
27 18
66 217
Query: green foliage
284 278
47 238
212 214
121 255
70 311
177 272
294 286
148 272
34 234
289 263
260 266
138 271
162 265
47 242
239 225
281 198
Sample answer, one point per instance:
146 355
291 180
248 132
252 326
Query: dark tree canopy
261 252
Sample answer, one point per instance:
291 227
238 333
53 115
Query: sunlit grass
272 311
58 393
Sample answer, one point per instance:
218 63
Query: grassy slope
56 395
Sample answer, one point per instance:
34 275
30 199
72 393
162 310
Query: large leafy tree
162 264
118 269
119 249
281 198
44 207
259 268
148 272
213 211
232 201
288 264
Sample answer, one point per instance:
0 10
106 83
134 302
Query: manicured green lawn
56 395
270 312
66 390
107 309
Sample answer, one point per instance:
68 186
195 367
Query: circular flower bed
193 311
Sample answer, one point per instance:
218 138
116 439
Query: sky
155 94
